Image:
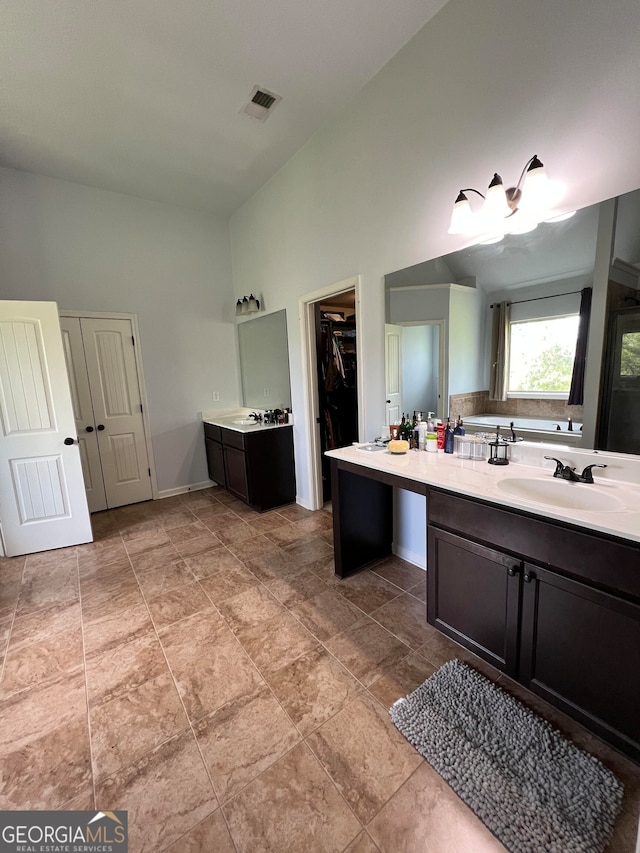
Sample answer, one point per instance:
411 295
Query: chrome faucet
565 472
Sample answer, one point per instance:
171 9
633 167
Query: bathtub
530 429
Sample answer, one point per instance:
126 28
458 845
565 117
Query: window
541 356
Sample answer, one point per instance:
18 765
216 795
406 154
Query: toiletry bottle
459 430
440 434
430 436
418 432
448 437
403 428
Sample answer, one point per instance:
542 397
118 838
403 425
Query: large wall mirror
542 274
264 362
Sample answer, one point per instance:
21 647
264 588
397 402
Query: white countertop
228 420
478 479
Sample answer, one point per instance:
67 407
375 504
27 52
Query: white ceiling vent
261 103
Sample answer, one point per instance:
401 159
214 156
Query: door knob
528 577
512 571
100 427
89 429
69 440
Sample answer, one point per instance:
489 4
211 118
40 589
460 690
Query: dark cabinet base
256 467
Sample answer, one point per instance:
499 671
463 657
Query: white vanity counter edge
478 479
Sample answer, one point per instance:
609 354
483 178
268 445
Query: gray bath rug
534 790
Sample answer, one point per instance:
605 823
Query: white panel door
393 372
83 411
117 409
43 504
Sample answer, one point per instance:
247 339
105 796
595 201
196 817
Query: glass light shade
495 203
238 307
254 305
245 305
461 216
535 191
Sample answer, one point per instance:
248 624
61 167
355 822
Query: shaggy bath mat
534 790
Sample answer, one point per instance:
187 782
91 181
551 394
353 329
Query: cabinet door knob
88 429
69 441
100 427
512 571
528 577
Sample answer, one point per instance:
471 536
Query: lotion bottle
448 437
431 437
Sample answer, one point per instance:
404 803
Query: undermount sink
553 491
244 421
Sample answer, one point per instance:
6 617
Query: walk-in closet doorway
332 374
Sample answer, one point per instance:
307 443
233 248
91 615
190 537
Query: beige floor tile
115 672
295 512
271 565
127 727
365 755
367 650
402 574
406 617
311 815
190 530
101 555
165 578
368 591
211 562
5 628
138 542
250 607
208 664
32 713
313 688
295 588
425 814
288 534
197 544
253 547
419 591
240 740
276 642
39 593
308 551
327 614
224 585
210 836
166 792
43 624
177 604
268 521
99 602
402 679
362 844
154 558
48 771
115 627
45 660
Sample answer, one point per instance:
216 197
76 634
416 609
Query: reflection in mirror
264 362
541 274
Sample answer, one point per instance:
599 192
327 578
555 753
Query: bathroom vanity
548 594
254 462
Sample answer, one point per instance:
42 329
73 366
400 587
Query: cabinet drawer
598 559
213 432
231 438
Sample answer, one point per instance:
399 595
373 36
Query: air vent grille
261 103
263 99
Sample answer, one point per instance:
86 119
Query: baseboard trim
182 490
418 560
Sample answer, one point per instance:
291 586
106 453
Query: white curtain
500 351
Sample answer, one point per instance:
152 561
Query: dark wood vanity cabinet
256 467
556 608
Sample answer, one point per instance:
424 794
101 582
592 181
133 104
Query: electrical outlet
266 392
216 396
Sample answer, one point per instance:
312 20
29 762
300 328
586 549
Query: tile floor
200 665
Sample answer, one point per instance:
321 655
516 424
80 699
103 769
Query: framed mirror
264 362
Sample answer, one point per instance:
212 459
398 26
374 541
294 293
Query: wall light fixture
515 210
247 305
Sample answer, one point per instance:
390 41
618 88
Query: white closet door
83 411
43 504
117 409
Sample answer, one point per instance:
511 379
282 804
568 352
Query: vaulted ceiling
145 97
